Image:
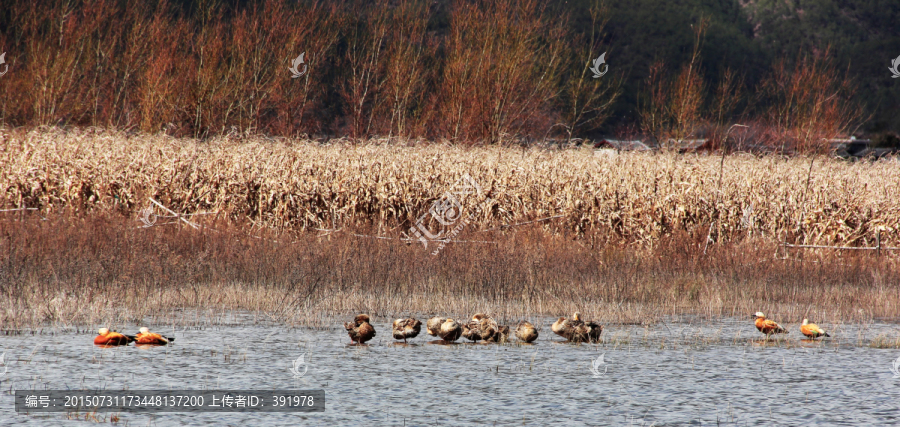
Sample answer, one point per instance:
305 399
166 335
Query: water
679 373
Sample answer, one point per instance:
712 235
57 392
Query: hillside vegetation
467 71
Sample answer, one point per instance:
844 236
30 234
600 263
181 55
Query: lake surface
685 372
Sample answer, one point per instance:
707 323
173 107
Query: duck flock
108 338
483 328
480 328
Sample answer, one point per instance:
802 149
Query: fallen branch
177 215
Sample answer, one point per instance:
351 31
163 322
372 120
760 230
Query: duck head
103 331
759 315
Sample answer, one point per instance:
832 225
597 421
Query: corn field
296 185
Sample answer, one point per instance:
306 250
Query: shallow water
677 373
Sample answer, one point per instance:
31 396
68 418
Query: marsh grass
71 270
885 341
290 238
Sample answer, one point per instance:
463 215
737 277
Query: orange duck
812 330
767 326
110 338
360 330
147 337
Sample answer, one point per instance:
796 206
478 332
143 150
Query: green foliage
862 34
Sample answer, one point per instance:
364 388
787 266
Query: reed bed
70 270
298 185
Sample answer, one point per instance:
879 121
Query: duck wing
434 326
578 331
412 328
365 332
487 328
470 331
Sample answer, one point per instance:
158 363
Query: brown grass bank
104 269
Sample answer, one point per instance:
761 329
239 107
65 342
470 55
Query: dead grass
885 341
294 185
72 270
634 243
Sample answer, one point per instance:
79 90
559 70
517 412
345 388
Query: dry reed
296 185
631 246
102 269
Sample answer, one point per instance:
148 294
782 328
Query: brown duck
450 330
433 327
577 330
562 328
360 330
481 327
502 335
404 329
526 332
582 331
